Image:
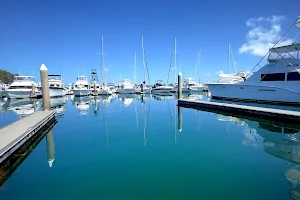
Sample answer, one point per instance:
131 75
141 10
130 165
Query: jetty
286 116
14 135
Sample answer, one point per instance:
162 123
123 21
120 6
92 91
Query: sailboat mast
175 61
134 68
144 63
228 56
102 60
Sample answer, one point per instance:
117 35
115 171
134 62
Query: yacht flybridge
276 82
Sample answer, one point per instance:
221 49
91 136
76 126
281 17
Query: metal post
179 85
179 118
45 87
50 147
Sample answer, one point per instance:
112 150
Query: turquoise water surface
136 147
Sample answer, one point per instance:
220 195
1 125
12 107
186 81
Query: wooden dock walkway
253 111
14 135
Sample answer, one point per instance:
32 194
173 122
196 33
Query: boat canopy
294 47
284 52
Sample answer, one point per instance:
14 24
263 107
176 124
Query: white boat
276 82
160 87
22 87
126 87
56 86
190 85
81 87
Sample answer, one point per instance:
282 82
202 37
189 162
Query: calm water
129 147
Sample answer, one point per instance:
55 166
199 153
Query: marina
160 139
135 100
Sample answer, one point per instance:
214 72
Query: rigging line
170 113
269 50
146 65
170 68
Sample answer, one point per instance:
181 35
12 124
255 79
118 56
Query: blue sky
65 35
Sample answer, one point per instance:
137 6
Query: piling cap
50 162
43 68
180 130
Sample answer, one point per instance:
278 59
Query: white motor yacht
22 87
56 86
126 87
276 82
192 86
81 87
160 87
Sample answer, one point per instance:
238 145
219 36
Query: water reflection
58 104
22 107
126 99
82 104
279 141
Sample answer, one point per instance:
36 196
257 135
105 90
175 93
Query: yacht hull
198 88
162 90
81 92
126 91
252 93
56 92
19 94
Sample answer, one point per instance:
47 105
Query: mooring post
179 85
32 90
50 147
45 87
179 118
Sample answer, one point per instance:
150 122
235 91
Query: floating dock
14 135
284 116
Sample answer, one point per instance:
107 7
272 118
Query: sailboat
159 86
144 88
104 89
191 84
231 78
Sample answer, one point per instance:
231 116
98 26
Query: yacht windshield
81 78
24 78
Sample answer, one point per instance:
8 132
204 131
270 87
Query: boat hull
252 93
198 88
162 90
56 92
81 92
19 94
126 91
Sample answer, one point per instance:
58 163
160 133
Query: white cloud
207 74
252 138
260 38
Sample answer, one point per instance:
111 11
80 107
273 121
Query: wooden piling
45 87
180 85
